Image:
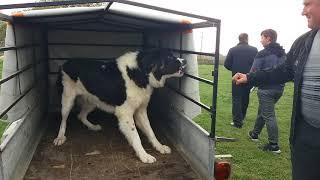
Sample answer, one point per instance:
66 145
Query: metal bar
190 99
17 73
7 48
93 30
215 85
185 51
174 26
17 47
85 44
120 24
72 22
34 58
4 17
47 65
16 101
108 7
199 79
190 52
17 57
115 22
166 10
27 46
202 25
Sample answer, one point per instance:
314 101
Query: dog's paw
147 158
95 127
163 149
59 140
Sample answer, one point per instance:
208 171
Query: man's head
268 36
243 38
311 10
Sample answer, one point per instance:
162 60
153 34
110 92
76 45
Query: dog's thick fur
122 87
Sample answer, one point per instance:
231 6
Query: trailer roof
114 14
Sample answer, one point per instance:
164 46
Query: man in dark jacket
240 59
268 94
302 66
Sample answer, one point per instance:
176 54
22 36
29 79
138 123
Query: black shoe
236 125
252 136
272 148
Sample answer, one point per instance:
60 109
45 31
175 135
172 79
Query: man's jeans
266 114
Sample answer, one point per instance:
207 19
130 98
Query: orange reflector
18 14
186 22
222 170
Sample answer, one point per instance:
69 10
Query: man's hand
240 78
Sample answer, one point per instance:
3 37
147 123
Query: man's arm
278 75
229 61
281 74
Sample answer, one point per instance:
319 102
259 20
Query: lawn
2 124
248 162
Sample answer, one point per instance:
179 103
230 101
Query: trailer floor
100 155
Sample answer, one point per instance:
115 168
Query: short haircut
243 37
272 34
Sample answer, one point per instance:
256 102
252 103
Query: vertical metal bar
215 83
108 6
34 59
46 59
17 58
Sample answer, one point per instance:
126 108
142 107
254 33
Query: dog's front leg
128 128
143 123
67 101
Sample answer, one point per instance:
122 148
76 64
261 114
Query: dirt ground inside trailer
101 155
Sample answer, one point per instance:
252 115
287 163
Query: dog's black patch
139 77
160 61
101 79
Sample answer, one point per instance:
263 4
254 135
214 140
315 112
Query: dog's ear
148 59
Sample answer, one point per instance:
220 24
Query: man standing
240 59
302 66
268 94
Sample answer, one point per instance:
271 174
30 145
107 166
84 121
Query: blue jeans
266 114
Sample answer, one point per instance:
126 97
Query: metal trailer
38 41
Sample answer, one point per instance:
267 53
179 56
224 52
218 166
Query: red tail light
222 170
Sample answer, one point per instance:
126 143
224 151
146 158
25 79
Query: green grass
248 162
3 125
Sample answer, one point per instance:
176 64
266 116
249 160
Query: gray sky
237 16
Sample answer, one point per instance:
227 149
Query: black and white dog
122 87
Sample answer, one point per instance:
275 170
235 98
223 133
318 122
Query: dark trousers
240 102
305 152
266 113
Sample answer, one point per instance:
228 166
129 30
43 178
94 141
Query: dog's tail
59 84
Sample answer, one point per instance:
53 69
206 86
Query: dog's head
160 64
